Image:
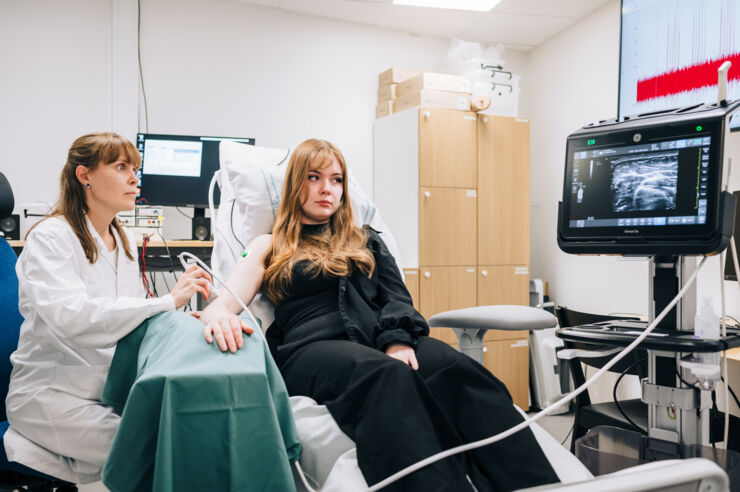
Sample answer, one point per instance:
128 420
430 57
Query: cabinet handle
427 114
427 194
485 349
485 119
484 273
427 275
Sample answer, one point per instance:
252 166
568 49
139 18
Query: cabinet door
508 360
411 278
443 289
447 148
503 189
447 218
503 285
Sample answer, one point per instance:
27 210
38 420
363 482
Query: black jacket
378 311
375 311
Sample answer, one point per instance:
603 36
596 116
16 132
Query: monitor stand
201 230
676 411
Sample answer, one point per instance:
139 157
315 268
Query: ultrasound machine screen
656 184
633 189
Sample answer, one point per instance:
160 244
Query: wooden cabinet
499 284
447 148
443 289
503 189
411 278
453 187
508 360
503 285
447 226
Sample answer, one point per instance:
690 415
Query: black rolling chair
14 476
587 414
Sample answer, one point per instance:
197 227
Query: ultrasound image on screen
645 182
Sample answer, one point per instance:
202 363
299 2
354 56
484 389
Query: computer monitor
176 170
648 186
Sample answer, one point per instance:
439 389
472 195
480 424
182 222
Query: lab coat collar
103 249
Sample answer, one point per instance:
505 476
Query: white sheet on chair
329 457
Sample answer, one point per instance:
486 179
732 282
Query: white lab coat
75 313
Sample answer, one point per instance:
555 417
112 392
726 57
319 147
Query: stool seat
501 317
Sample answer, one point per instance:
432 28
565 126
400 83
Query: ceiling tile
353 11
520 24
515 29
263 3
556 8
436 22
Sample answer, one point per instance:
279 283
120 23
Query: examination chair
250 180
14 475
629 414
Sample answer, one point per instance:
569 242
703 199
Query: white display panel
173 158
671 50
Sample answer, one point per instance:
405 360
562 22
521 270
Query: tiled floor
559 426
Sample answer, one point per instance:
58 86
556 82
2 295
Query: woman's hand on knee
404 353
228 331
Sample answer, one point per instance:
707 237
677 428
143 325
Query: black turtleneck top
375 311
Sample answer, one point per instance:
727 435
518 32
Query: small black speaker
201 228
10 227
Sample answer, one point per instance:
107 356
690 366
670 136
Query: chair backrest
569 317
10 317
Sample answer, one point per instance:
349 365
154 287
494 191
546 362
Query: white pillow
251 183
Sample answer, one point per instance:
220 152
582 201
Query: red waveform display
686 79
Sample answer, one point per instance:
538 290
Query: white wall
571 80
228 68
218 67
55 85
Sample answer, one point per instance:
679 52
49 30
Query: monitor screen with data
658 182
176 170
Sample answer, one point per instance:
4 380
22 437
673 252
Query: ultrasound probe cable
513 430
502 435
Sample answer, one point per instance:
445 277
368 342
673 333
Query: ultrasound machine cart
655 185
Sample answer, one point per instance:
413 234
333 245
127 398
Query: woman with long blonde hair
347 335
80 292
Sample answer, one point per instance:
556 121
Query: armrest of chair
470 324
495 318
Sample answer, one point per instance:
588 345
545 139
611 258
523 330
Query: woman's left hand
404 353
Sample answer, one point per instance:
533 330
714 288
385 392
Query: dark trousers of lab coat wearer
398 416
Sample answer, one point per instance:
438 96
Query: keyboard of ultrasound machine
623 332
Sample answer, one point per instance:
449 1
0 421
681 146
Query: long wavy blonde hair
335 252
90 151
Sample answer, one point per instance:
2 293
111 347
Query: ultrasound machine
655 185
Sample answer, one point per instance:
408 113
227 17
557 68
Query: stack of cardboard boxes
400 89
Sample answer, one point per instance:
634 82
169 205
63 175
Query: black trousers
398 416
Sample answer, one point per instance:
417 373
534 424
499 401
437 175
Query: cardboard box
436 82
396 76
387 92
384 108
433 99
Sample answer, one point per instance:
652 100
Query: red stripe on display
686 79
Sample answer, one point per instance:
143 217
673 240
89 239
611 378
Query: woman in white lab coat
80 292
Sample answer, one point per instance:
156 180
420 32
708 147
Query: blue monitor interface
651 185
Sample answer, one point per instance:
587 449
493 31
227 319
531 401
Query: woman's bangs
116 147
323 159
